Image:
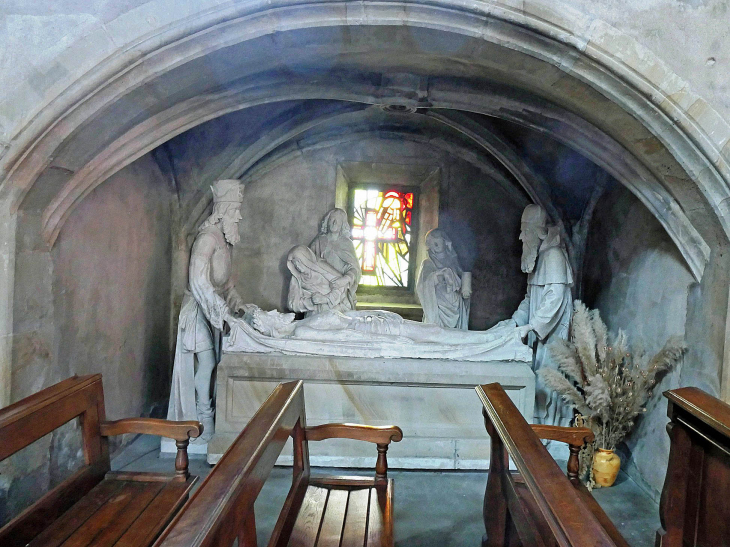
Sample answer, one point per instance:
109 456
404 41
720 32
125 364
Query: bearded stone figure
334 246
544 314
443 287
209 302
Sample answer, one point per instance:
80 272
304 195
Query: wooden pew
94 506
538 505
318 511
695 503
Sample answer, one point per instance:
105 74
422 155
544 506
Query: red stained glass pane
409 200
408 218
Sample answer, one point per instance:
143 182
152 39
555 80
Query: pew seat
319 511
94 507
346 512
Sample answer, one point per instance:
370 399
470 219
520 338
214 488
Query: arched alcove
292 79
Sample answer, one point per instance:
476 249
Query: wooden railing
694 507
538 505
222 510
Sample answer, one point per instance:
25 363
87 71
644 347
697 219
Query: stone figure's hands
341 282
319 298
450 279
228 320
523 331
466 292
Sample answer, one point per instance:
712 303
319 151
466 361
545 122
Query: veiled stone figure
544 314
209 302
315 286
333 244
443 288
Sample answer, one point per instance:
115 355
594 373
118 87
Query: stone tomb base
433 401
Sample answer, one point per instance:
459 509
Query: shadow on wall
101 305
638 280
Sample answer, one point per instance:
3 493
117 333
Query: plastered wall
637 279
97 302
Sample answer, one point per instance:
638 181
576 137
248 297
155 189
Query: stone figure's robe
339 253
210 296
442 302
548 307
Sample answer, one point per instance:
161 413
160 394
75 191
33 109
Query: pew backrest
542 504
695 507
222 509
76 511
28 420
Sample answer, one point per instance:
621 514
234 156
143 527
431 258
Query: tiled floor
432 508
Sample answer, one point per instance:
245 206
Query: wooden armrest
180 431
382 434
574 436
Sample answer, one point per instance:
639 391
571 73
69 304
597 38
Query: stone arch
555 121
588 51
613 68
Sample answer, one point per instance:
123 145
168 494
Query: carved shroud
500 343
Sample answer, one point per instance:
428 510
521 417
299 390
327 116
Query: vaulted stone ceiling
456 81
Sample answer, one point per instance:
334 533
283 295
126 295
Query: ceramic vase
605 467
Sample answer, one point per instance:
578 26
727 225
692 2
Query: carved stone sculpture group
324 281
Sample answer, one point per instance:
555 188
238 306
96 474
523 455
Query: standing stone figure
443 288
546 310
315 286
209 302
333 244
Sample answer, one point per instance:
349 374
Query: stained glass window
381 232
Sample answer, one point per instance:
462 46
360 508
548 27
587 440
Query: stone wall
98 302
636 277
285 199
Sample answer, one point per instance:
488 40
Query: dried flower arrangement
602 377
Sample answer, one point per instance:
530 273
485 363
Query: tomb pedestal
432 400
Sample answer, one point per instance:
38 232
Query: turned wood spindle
573 463
381 466
181 460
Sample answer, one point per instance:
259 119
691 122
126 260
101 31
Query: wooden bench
94 507
318 511
695 505
538 505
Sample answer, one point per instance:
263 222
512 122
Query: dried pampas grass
602 378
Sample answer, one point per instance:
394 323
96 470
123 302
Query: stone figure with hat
443 287
545 313
209 303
